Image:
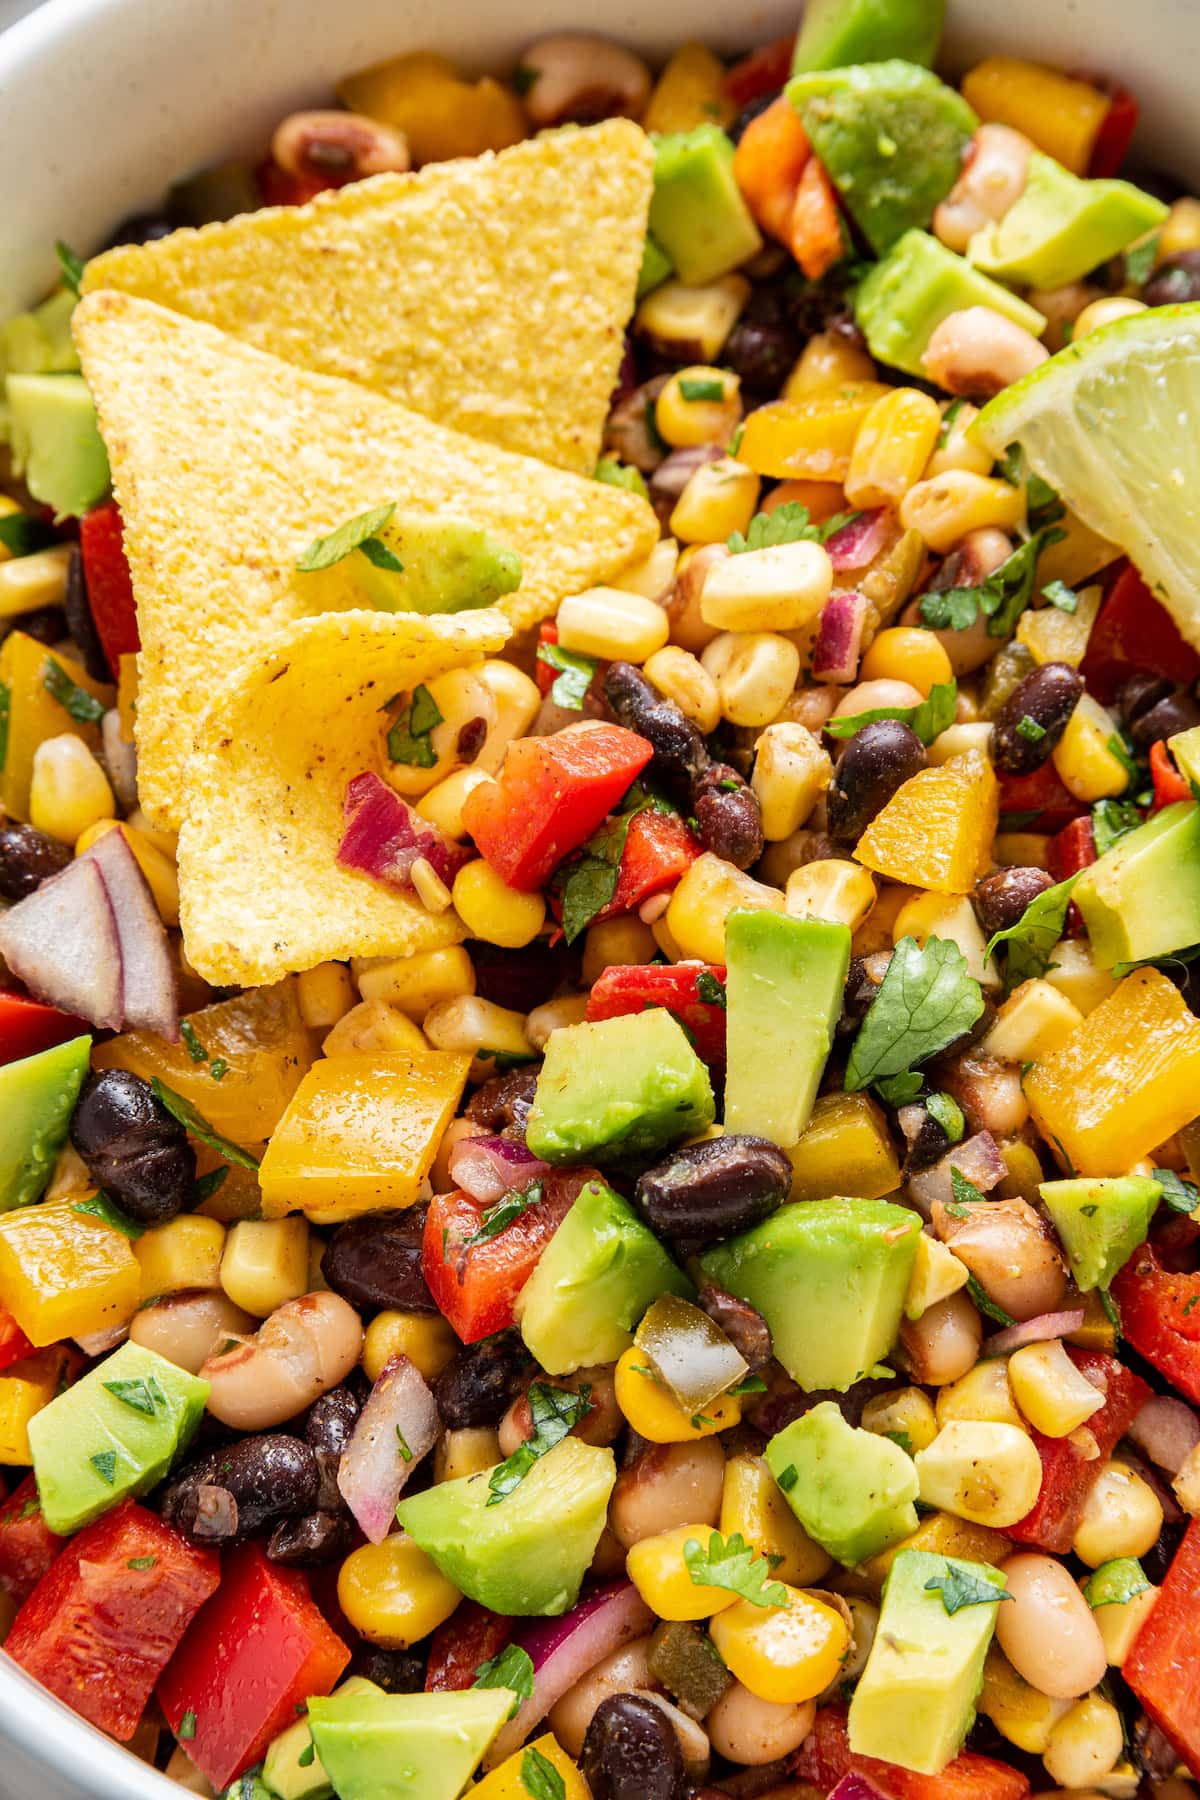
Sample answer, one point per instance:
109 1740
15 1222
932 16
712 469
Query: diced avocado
284 1773
891 137
834 33
37 1098
829 1277
915 1700
1115 1583
904 298
1062 226
450 565
1101 1222
527 1553
55 444
39 342
114 1433
620 1087
784 985
594 1280
656 266
405 1746
853 1491
697 215
1185 748
1142 898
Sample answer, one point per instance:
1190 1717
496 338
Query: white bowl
103 102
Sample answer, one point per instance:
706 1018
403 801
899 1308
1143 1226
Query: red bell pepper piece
825 1758
109 583
1169 784
1133 631
1040 799
475 1288
550 795
460 1647
278 187
1163 1667
102 1623
1068 1475
763 72
27 1026
659 851
1070 850
13 1342
1116 129
679 987
27 1544
544 673
1160 1315
248 1662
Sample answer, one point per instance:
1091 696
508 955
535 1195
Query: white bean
574 75
745 1729
621 1672
668 1485
187 1328
978 351
992 181
944 1342
305 1348
1047 1630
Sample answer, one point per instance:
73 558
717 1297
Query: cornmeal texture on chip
490 294
227 463
261 892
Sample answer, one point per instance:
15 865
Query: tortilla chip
227 464
261 892
490 294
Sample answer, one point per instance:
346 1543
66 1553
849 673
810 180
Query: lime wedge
1113 423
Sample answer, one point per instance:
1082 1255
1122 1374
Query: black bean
1175 280
858 997
751 111
1173 713
727 814
712 1189
27 858
47 624
80 623
140 228
630 1752
265 1478
926 1139
330 1420
1034 717
1159 1557
502 1104
761 353
877 760
520 979
745 1328
480 1380
1001 899
680 754
133 1147
1139 692
395 1671
471 739
376 1261
316 1538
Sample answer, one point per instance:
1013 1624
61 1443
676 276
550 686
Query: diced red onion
676 470
1173 1513
860 541
99 1343
400 1415
837 646
487 1168
120 759
1167 1431
1034 1331
978 1158
148 998
62 942
856 1787
563 1650
384 837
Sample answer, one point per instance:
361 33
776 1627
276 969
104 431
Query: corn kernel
1086 766
567 1009
432 891
479 1028
959 740
184 1253
781 588
69 790
945 508
1120 1621
707 894
494 912
654 576
698 406
166 841
460 696
1122 1516
1073 971
894 442
820 499
468 1451
875 932
791 772
1105 312
1034 1020
1181 228
658 1571
700 317
783 1654
683 678
393 1594
952 917
907 653
1085 1744
425 1338
990 1474
665 940
656 1415
443 804
1051 635
905 1416
954 449
324 995
8 510
719 499
31 581
614 943
1017 1709
518 700
831 888
752 1504
755 672
1052 1393
982 1396
608 623
936 1274
415 983
373 1025
265 1263
828 361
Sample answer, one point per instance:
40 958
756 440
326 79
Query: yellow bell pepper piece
752 1503
35 715
1051 635
64 1272
783 1654
1061 115
441 115
25 1387
936 831
127 690
1123 1081
688 92
845 1149
506 1782
361 1132
811 437
943 1535
260 1040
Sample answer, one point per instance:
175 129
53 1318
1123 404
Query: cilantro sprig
1179 1195
70 266
512 1668
1031 940
928 719
732 1564
1002 597
499 1216
788 524
185 1113
410 738
574 676
539 1777
83 707
926 1000
359 533
959 1588
554 1411
587 883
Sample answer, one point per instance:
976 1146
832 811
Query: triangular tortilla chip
261 892
489 294
227 463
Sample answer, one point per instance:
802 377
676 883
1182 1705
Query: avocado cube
915 1699
620 1087
853 1491
283 1772
656 267
1101 1222
697 215
40 342
836 33
1061 227
829 1277
1141 899
529 1552
113 1434
784 983
891 137
448 565
405 1746
904 298
594 1280
56 445
37 1097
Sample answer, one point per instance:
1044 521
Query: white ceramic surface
102 102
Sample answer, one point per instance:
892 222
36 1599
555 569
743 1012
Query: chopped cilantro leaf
986 1305
1112 820
1140 259
902 1089
701 387
191 1042
623 475
945 1111
499 1216
1030 730
1031 940
539 1777
554 1412
948 417
83 707
511 1669
1123 751
574 677
731 1563
710 989
965 1192
100 1206
71 266
959 1588
1060 595
1180 1195
307 1756
185 1113
143 1394
1002 597
787 1478
926 999
141 1562
324 552
206 1185
105 1464
187 1728
929 719
788 524
409 740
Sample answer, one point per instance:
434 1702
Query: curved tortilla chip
489 293
261 892
227 463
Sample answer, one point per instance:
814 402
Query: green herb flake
1115 1583
206 1185
31 1506
143 1395
749 1384
511 1669
1030 730
191 1042
5 710
959 1588
787 1478
83 707
523 78
965 1192
218 1068
948 417
788 524
100 1206
186 1115
1111 821
410 738
587 882
70 265
1112 1311
926 999
574 677
701 387
307 1756
900 1090
1030 942
1140 259
105 1464
1002 598
985 1305
1060 595
554 1412
324 552
1123 751
945 1111
903 1441
402 1445
504 1060
141 1562
21 534
711 990
501 1214
615 473
730 1563
539 1777
1180 1195
928 720
187 1728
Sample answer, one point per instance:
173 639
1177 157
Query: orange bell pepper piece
810 438
814 234
64 1272
25 1388
35 715
769 160
936 831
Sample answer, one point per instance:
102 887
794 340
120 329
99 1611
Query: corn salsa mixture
600 858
